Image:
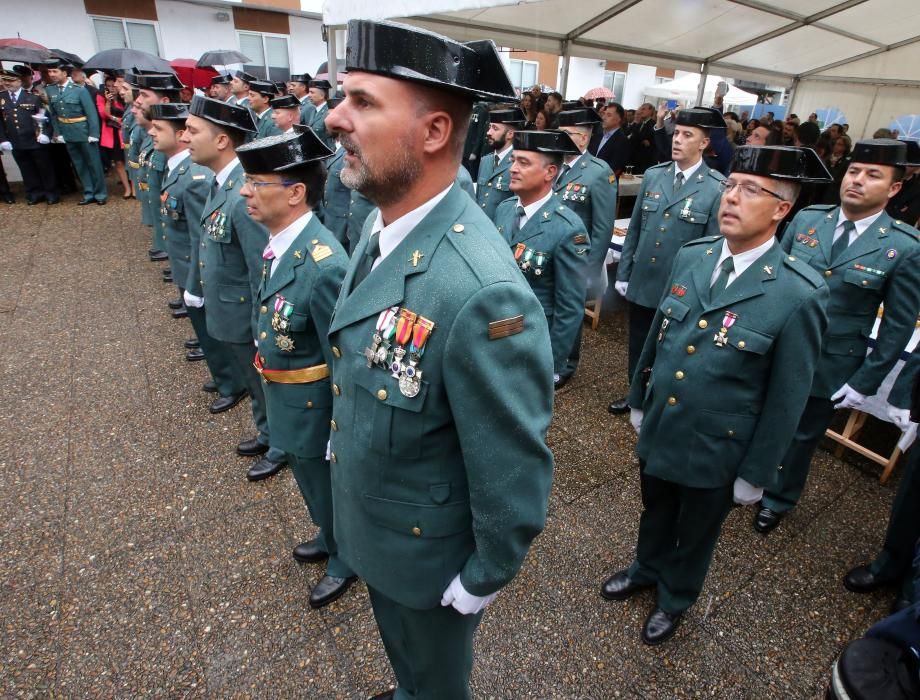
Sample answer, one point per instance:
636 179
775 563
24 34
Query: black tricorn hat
220 112
304 78
334 102
702 117
222 79
263 87
170 111
21 71
545 142
913 153
59 63
880 152
514 116
158 82
275 154
321 84
781 163
569 105
473 69
244 76
285 102
579 117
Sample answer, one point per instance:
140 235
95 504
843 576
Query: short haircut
556 95
237 136
898 173
552 159
883 133
808 133
313 176
619 109
176 124
787 189
459 109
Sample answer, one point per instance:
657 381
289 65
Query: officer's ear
297 193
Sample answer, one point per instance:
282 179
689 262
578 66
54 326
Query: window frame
523 61
124 30
262 36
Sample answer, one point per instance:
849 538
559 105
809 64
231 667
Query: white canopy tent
686 90
858 55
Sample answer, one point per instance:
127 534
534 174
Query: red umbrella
190 74
594 93
16 41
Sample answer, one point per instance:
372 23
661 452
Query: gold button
657 244
792 258
662 228
201 264
309 404
336 351
315 241
333 458
828 273
731 433
741 345
242 298
690 349
672 401
382 394
263 309
458 228
865 282
263 335
702 323
336 390
679 374
417 531
335 426
667 215
668 312
653 259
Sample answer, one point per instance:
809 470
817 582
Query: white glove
92 139
43 140
463 602
848 397
900 417
191 300
635 419
328 450
555 378
746 494
6 146
40 117
621 288
59 139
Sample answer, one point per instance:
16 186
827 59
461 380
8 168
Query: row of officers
405 368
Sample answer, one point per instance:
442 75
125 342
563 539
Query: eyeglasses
247 180
748 189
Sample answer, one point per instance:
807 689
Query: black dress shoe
562 382
620 586
154 251
36 200
862 580
192 343
766 520
209 387
659 626
175 303
101 202
225 403
900 604
387 695
195 355
56 200
251 448
85 201
180 313
264 468
328 589
159 256
167 279
309 552
618 407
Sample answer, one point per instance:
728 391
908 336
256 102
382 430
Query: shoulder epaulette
705 240
569 215
804 270
819 207
319 252
904 227
658 166
715 174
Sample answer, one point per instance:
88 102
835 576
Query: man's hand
847 397
635 419
900 417
463 602
746 494
621 288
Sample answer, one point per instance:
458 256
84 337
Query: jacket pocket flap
694 217
731 426
420 520
650 205
233 293
674 308
863 279
385 389
749 340
851 345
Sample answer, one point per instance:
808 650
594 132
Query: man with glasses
867 258
721 380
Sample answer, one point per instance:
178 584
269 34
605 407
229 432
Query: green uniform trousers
431 651
313 479
895 561
242 355
88 164
678 531
784 493
220 364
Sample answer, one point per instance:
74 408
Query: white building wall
308 49
584 74
638 78
187 31
57 24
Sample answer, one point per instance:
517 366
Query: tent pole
564 76
792 95
331 64
704 74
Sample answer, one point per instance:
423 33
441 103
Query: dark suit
615 151
905 205
644 150
33 158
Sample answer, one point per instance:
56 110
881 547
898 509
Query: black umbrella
127 60
24 54
221 57
66 56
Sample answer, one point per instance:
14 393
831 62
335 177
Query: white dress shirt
222 176
533 208
742 261
281 241
688 173
394 234
861 226
175 161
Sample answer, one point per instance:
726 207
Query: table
629 187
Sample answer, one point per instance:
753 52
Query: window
269 55
118 33
523 73
614 81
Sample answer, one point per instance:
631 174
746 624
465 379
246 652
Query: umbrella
127 60
322 73
22 50
907 126
594 93
221 57
830 115
191 74
67 56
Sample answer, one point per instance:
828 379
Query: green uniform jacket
466 182
72 102
231 262
136 138
589 189
882 265
265 125
127 126
307 111
336 198
901 392
455 479
716 413
308 277
196 234
182 196
494 184
661 223
359 209
475 144
152 164
318 124
553 261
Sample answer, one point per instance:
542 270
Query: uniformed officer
587 186
548 240
892 566
285 113
475 144
220 87
905 205
678 202
337 198
183 193
867 258
319 96
440 472
231 258
239 88
721 380
76 124
303 270
261 93
492 184
26 131
298 85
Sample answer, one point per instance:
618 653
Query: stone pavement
137 560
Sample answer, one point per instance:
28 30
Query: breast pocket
863 280
385 420
744 346
697 218
233 294
649 208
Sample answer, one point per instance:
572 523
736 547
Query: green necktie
518 213
725 269
843 240
371 253
678 181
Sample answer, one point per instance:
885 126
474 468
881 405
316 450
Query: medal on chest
397 346
721 338
376 353
685 212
